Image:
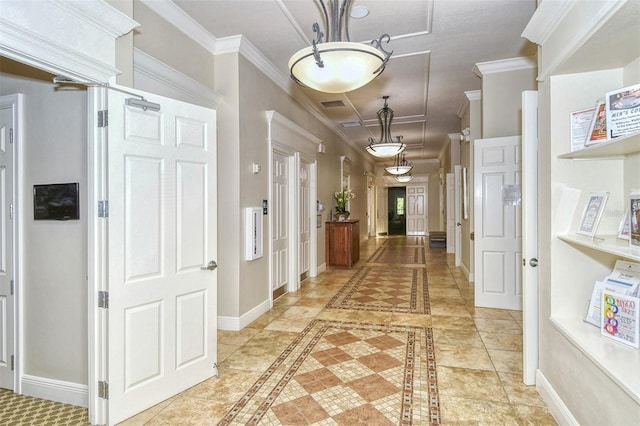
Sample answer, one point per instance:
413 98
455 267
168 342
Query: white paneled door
8 109
280 221
162 240
304 214
416 208
451 219
498 233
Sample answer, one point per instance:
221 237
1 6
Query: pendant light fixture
401 167
385 147
408 177
338 66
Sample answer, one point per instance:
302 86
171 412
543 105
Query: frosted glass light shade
347 66
398 170
383 150
404 178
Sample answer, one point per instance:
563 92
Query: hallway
477 353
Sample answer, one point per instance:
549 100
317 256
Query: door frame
16 102
293 141
457 214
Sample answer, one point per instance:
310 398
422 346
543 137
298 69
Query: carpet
349 374
385 289
401 255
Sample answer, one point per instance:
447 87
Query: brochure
634 221
620 318
598 127
580 126
624 279
623 112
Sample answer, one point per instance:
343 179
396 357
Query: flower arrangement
342 198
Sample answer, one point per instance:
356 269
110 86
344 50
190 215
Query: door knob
533 262
458 224
210 267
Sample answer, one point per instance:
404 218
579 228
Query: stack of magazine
615 304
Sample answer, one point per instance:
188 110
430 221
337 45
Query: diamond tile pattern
352 373
392 289
398 255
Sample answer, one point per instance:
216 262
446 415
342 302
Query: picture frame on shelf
598 127
634 221
580 127
623 228
623 112
592 213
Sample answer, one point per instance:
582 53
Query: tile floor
478 351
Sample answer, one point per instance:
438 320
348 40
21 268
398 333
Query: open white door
8 126
451 220
530 235
304 221
160 180
457 173
498 233
279 222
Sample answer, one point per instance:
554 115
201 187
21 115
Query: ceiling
436 44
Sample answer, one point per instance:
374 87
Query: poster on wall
623 112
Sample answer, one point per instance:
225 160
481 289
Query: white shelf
620 362
607 244
616 148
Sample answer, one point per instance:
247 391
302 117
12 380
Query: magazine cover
620 315
623 112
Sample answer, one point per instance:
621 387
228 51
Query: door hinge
10 135
103 118
103 389
12 362
11 211
11 287
103 208
103 299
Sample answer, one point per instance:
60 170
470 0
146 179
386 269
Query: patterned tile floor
478 351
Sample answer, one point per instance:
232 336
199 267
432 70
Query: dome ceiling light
337 66
401 167
408 177
385 147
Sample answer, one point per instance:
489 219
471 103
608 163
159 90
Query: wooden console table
342 241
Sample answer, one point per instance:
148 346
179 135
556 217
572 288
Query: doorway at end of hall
397 211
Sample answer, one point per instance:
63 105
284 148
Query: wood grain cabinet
342 241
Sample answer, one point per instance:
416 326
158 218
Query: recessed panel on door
143 126
143 332
4 321
191 328
3 220
191 133
493 272
191 215
143 217
493 218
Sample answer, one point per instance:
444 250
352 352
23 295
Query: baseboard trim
238 323
55 390
556 406
322 268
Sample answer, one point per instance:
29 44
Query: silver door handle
210 267
458 224
533 262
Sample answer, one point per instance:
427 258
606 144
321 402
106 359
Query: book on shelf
623 112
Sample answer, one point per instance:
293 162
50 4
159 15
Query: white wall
54 253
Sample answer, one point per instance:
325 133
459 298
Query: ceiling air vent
350 124
332 104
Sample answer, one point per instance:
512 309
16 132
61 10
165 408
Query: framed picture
598 128
623 228
592 213
634 221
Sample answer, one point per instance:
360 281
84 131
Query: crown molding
465 101
178 85
504 65
545 20
177 17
